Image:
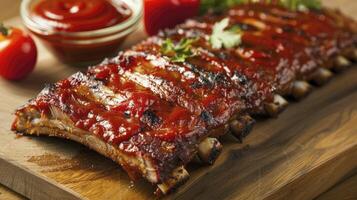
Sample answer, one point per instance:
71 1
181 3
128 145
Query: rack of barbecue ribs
153 113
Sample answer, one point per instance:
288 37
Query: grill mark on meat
212 64
151 118
153 113
177 87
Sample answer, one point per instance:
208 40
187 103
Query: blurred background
9 8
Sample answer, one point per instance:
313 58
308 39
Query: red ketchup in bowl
82 32
80 15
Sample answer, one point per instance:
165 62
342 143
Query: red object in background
160 14
18 53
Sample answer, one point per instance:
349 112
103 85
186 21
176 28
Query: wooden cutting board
300 154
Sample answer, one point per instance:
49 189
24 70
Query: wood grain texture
299 155
8 194
346 190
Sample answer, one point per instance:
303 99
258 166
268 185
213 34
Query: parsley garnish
219 5
3 30
301 5
179 52
225 38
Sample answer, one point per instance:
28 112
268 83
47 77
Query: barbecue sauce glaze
178 101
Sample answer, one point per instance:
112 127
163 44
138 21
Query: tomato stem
4 30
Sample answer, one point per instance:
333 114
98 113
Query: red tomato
18 53
160 14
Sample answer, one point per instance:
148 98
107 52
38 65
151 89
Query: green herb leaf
301 5
179 52
3 30
225 38
294 5
219 5
312 4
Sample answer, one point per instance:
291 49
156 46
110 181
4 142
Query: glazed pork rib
153 115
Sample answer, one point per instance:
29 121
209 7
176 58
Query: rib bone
300 89
322 76
209 150
278 105
242 126
178 177
341 63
